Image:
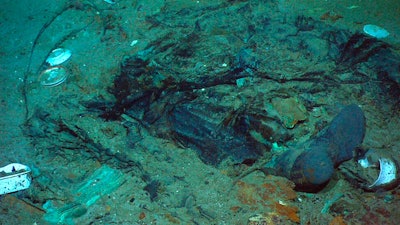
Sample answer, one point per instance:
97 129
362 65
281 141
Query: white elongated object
110 1
14 177
375 31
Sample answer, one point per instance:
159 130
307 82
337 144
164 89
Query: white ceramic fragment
16 177
387 173
375 31
58 56
53 76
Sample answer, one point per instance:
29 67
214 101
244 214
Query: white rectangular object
14 177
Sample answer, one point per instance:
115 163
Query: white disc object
53 76
375 31
58 56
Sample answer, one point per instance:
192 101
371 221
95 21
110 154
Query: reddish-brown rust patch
288 211
331 16
370 218
338 220
107 208
384 212
172 219
285 188
247 193
267 193
235 208
269 187
142 215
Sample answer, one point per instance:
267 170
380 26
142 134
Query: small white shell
375 31
58 56
387 173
